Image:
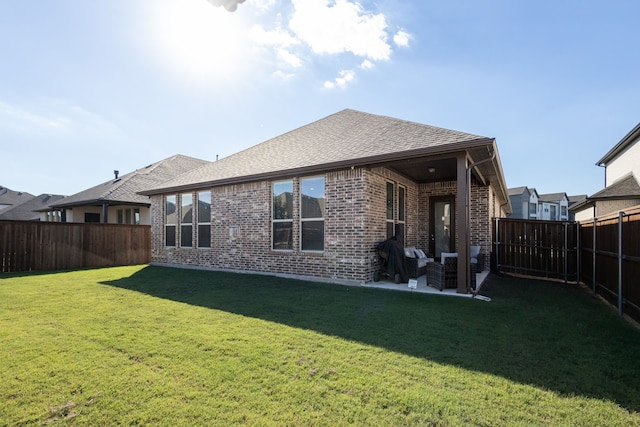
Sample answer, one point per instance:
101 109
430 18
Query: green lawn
150 345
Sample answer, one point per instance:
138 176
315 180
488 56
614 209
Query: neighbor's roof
625 188
29 210
625 142
10 197
552 197
125 189
516 191
347 138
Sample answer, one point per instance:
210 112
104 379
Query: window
186 220
390 203
312 214
170 220
128 216
282 220
402 196
204 219
533 208
91 217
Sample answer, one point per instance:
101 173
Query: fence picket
33 246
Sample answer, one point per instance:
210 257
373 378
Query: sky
90 87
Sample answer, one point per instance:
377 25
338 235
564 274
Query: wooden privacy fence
603 253
535 248
610 259
32 246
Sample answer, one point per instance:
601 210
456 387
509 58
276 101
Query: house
117 201
524 202
10 198
553 207
528 204
31 210
622 189
317 200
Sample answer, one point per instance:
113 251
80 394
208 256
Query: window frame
390 221
168 224
303 219
199 220
186 225
277 221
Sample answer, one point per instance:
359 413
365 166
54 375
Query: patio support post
462 224
105 210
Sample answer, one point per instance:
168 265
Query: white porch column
462 220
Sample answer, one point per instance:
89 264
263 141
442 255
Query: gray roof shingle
348 136
30 209
626 187
126 188
10 197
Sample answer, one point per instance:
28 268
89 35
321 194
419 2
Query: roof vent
116 173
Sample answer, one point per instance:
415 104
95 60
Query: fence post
566 237
593 273
578 254
497 243
620 218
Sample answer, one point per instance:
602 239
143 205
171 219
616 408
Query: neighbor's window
204 219
186 220
312 213
170 220
390 203
282 220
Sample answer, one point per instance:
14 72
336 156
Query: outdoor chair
417 262
444 275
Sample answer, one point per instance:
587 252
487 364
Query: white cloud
263 5
402 38
345 77
366 65
278 37
281 75
55 118
289 58
15 118
343 26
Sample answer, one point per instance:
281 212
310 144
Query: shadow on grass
549 335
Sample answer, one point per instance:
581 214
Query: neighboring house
622 169
10 198
553 207
524 202
31 210
317 200
117 201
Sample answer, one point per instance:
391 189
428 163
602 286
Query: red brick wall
355 221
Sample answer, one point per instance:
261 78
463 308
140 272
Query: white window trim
310 219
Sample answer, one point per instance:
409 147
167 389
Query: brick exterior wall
354 222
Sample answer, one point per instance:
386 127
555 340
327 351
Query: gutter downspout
468 213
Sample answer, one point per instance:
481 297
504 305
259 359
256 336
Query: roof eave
620 146
319 168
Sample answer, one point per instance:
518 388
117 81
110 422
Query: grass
151 345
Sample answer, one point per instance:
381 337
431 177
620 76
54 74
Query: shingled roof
30 209
347 138
9 197
125 189
625 188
